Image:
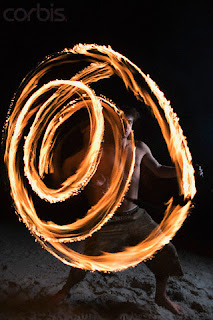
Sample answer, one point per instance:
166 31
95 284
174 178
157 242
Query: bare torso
100 182
134 186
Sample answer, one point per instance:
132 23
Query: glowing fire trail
44 118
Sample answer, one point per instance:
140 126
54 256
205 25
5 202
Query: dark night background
170 41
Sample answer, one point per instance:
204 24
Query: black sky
168 40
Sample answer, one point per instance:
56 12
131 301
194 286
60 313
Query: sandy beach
29 275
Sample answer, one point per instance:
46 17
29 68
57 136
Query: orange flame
45 118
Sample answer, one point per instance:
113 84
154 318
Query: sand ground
28 274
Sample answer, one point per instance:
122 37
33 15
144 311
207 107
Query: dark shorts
128 229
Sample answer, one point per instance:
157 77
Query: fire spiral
42 107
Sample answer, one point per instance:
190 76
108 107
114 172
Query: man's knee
165 262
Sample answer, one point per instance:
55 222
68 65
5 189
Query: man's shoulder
140 145
74 159
141 149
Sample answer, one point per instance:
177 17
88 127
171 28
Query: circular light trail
41 108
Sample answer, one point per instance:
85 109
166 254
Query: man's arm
151 163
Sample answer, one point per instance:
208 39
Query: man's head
131 112
132 115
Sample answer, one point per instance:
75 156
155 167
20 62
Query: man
130 224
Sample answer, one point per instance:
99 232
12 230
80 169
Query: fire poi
41 108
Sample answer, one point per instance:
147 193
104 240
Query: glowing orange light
45 118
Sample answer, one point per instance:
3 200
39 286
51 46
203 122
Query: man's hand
198 171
